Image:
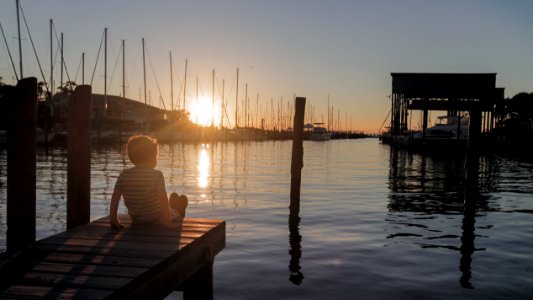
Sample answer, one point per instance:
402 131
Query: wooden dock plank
63 268
94 261
68 280
85 259
50 292
144 252
128 237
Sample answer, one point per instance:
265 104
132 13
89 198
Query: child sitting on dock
143 188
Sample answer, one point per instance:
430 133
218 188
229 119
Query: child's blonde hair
141 148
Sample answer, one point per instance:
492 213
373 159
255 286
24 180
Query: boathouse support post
425 123
297 161
21 163
79 157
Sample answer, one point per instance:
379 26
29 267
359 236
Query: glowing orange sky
312 49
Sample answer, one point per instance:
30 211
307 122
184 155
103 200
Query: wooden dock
93 261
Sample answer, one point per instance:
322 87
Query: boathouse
455 93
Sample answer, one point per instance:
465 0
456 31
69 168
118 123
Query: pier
94 261
91 260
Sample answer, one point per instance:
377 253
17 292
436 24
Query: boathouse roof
479 86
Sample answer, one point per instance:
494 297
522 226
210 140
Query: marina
139 141
373 221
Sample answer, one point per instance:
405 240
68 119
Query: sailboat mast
83 68
121 112
271 123
237 101
123 68
256 111
171 84
20 38
328 126
185 84
61 64
246 105
213 116
105 68
9 52
197 106
222 105
144 76
144 79
51 61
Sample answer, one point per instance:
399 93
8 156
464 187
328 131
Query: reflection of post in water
471 196
295 242
467 241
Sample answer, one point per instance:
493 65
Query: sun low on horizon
204 112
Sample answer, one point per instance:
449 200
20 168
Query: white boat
446 127
319 133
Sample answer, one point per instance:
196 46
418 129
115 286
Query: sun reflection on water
203 166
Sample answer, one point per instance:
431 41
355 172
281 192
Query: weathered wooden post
297 164
297 161
471 194
79 157
21 161
200 285
472 149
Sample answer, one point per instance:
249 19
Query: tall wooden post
474 139
297 164
297 161
21 161
79 157
471 194
425 123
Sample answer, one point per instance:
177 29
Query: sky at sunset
312 49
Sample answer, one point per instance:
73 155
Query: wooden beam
21 162
79 157
447 105
297 149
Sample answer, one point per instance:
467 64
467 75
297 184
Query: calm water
373 223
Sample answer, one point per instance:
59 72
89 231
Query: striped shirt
141 187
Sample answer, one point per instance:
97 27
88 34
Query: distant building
131 113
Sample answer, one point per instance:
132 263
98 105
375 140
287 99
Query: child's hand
116 225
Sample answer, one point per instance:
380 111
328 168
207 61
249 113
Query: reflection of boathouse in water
456 95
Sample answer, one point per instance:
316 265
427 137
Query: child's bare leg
179 203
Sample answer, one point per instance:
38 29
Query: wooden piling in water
21 162
472 150
471 194
79 157
297 161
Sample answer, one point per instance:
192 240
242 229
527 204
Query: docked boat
446 127
319 133
450 133
41 137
